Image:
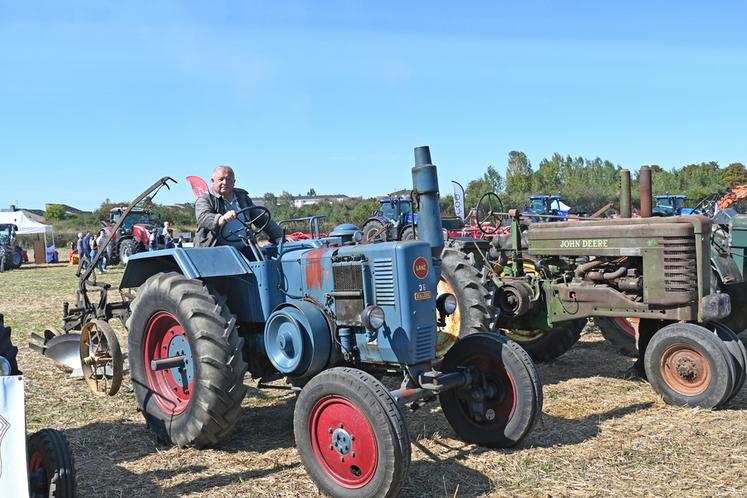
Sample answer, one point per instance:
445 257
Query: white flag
13 476
458 199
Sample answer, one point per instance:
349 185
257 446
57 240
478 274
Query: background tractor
11 254
329 315
133 235
655 269
394 220
670 205
540 206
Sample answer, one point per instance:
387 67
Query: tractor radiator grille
680 272
425 342
347 276
384 282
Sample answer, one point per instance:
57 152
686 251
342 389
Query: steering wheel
489 213
247 226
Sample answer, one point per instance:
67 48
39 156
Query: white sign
13 473
458 199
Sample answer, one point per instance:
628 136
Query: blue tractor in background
394 220
550 205
331 316
670 205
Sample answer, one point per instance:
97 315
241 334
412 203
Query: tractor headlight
5 368
372 317
446 303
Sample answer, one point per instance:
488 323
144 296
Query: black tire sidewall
59 464
525 411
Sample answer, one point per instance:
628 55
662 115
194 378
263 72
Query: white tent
27 226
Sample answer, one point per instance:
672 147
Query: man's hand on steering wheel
247 226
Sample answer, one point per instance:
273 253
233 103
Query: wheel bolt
342 459
330 430
352 438
353 454
331 446
340 426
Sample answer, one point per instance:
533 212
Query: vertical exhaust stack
625 210
425 185
645 190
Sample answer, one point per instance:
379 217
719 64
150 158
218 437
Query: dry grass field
599 435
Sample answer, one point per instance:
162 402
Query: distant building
308 200
68 209
34 214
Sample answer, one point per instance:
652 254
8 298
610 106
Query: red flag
198 185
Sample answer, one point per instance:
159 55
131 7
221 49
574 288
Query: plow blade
62 348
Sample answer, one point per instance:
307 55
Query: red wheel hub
36 461
499 406
343 441
628 325
685 370
165 337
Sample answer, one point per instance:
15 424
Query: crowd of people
88 246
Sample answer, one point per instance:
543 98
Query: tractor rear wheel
127 248
351 435
6 258
461 278
736 350
197 401
621 332
374 229
501 407
547 345
51 465
688 365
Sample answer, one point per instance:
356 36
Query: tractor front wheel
186 361
127 248
621 332
351 435
501 405
51 465
689 366
460 278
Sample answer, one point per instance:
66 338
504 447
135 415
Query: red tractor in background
134 234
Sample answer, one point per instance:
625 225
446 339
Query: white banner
458 199
13 473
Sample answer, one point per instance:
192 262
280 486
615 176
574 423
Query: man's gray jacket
210 206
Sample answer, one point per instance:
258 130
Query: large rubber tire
7 349
351 435
373 227
51 465
688 365
17 257
461 278
6 258
621 332
175 313
511 411
127 248
409 233
736 350
547 345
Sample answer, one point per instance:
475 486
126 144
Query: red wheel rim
163 333
36 461
499 408
343 441
628 325
685 370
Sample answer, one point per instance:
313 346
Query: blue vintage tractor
394 220
331 316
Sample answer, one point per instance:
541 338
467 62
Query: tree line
582 182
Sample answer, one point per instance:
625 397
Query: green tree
270 199
518 175
311 192
55 212
735 174
494 178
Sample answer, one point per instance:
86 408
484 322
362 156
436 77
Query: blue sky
99 99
